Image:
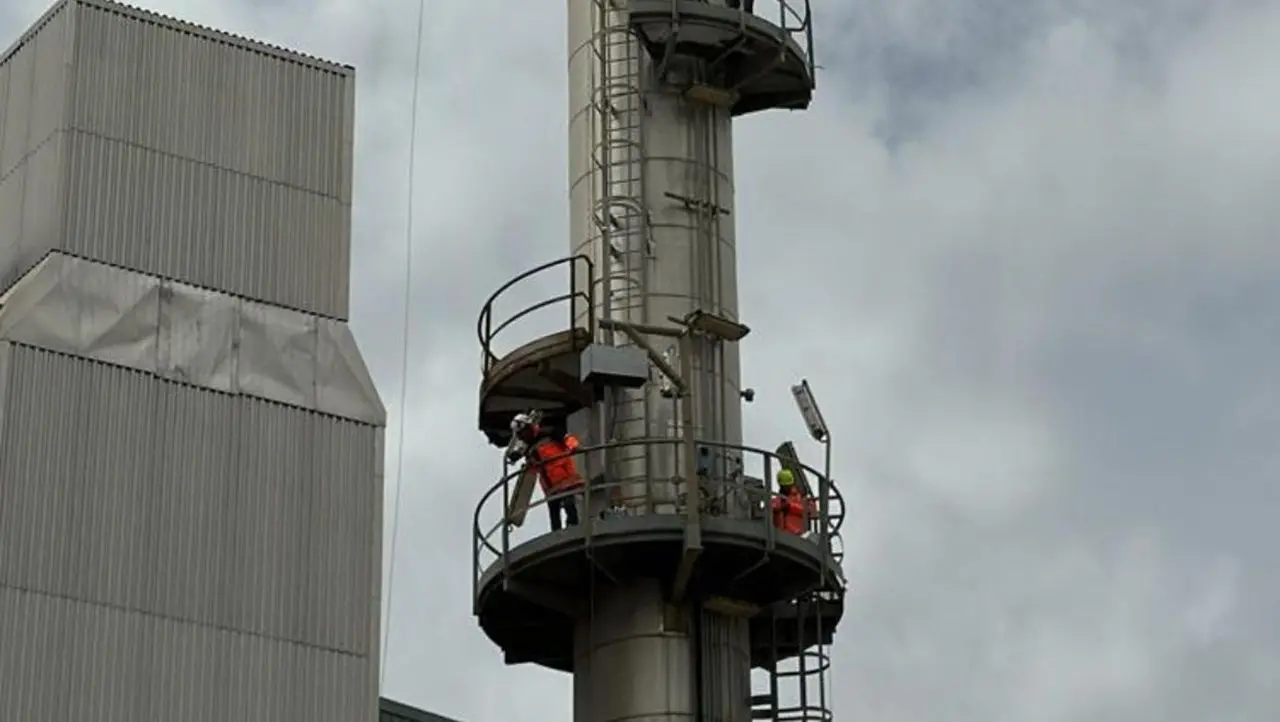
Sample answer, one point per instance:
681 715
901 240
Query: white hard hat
520 421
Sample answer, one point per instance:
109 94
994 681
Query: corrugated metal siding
31 193
210 101
33 87
190 154
138 208
234 536
64 659
33 102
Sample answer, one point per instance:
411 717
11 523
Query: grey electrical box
614 366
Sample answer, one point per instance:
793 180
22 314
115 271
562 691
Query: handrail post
591 296
506 520
770 532
824 495
585 517
477 538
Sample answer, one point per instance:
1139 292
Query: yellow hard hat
785 477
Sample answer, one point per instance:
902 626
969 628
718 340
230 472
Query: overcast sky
1025 251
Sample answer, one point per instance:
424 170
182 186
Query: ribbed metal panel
216 552
33 103
147 210
158 84
33 88
188 153
65 659
31 193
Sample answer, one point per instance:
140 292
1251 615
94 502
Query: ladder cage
797 684
619 212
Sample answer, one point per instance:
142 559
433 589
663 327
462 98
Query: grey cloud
1023 251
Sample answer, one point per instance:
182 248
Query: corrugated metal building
190 443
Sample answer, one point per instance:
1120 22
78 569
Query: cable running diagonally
404 343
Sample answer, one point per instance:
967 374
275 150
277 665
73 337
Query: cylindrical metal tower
652 169
675 584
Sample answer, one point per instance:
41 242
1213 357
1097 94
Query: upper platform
530 586
758 59
543 373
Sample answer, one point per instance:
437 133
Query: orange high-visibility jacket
556 474
793 512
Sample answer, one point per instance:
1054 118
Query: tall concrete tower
190 444
677 582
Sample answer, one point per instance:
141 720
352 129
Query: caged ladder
620 213
799 686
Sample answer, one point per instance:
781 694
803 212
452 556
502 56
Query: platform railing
603 499
801 695
792 16
795 18
580 298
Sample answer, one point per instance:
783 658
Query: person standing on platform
792 510
548 450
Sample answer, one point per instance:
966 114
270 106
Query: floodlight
809 410
715 325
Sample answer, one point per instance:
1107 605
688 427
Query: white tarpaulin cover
192 335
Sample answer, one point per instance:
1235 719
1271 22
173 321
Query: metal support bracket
688 560
633 333
696 204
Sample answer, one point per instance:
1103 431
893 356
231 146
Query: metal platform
542 374
762 64
785 630
530 587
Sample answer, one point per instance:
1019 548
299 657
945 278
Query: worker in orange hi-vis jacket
548 450
792 510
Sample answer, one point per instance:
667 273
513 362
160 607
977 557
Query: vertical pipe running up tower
651 192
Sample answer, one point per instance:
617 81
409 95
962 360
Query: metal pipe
693 488
824 496
645 328
677 377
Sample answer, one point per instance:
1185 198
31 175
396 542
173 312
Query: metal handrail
804 26
500 549
786 12
485 330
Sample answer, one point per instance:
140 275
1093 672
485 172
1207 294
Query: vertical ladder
619 212
618 155
798 685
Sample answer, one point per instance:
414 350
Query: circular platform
764 64
542 374
531 586
787 629
527 605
